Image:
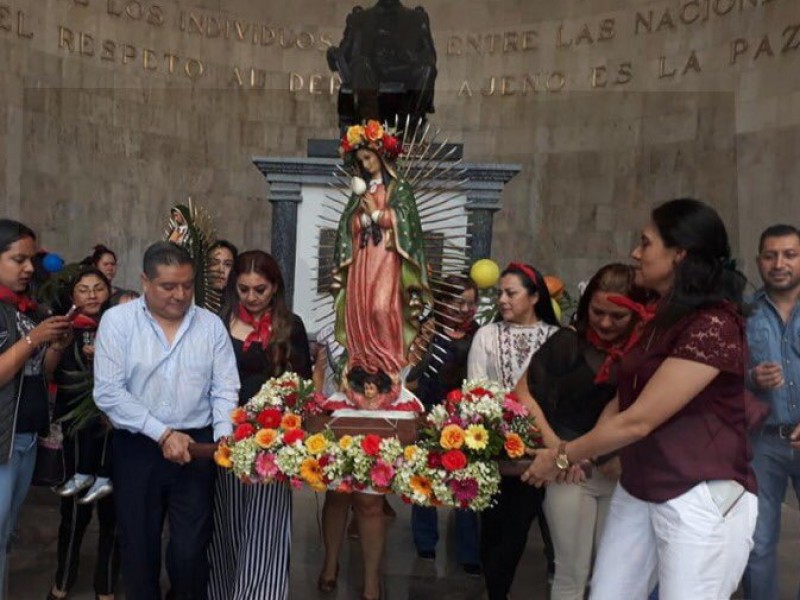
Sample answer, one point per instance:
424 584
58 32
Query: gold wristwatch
562 460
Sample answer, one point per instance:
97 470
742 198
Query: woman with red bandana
87 451
569 382
23 389
249 551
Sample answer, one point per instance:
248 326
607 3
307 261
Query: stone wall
113 110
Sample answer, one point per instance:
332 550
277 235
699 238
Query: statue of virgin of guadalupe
380 274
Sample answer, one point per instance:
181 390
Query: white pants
685 544
576 515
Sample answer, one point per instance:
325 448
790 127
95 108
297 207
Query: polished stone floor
407 577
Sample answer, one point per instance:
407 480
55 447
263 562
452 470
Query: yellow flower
452 437
421 485
266 437
355 135
345 442
409 452
223 457
317 444
476 437
310 471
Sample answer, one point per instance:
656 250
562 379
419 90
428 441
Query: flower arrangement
372 135
453 463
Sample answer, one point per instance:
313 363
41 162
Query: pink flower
296 483
381 474
464 490
265 465
514 407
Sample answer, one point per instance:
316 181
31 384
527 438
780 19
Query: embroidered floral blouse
502 351
707 438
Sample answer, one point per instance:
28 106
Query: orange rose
222 457
266 437
290 421
514 445
421 485
373 131
452 437
311 472
239 416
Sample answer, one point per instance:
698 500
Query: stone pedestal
298 188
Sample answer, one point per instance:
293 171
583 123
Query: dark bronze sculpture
387 62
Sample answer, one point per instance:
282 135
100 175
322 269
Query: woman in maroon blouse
684 511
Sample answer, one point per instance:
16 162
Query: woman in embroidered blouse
685 508
501 352
249 550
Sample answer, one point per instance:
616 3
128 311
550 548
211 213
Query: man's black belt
782 431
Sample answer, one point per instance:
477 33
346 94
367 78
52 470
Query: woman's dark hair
447 295
224 244
534 285
614 278
261 263
12 231
82 273
97 254
706 275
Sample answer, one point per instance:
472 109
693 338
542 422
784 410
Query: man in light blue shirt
166 376
773 336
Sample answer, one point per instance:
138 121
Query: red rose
434 460
507 416
269 418
291 400
391 145
479 391
371 444
294 435
455 396
324 460
454 460
243 431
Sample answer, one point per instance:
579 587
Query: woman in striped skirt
250 547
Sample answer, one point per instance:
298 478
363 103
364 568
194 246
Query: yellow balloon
556 309
484 273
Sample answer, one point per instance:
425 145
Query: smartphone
72 312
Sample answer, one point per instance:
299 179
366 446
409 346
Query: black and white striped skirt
251 543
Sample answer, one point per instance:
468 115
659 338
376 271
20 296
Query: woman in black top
23 389
87 451
569 382
249 552
445 369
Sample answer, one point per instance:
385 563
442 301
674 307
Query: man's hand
176 447
794 439
768 375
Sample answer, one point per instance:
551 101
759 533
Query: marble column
285 196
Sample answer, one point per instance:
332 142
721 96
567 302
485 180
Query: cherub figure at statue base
374 391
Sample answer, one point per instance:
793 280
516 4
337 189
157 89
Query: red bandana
615 351
262 329
21 302
528 270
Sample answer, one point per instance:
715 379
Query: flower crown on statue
373 136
